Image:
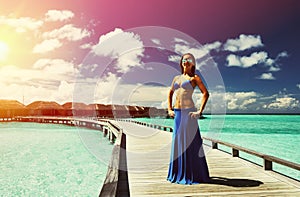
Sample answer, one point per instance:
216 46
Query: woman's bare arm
205 93
170 97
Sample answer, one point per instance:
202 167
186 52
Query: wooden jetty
140 160
148 151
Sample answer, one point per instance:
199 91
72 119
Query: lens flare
3 50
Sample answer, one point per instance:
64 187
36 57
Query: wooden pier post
105 131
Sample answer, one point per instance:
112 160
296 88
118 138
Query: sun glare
3 50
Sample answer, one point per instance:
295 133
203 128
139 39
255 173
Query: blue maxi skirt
187 162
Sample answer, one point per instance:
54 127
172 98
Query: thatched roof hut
102 110
44 105
135 111
11 108
45 108
78 109
11 104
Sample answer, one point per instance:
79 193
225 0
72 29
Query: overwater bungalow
120 111
134 111
155 112
45 108
102 110
11 108
78 109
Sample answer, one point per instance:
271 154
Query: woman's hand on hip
171 113
196 114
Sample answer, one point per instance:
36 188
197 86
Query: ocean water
55 160
50 160
276 135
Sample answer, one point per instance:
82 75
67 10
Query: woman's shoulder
177 77
197 77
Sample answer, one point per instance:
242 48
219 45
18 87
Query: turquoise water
50 160
276 135
53 160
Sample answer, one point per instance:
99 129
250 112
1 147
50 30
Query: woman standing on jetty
187 162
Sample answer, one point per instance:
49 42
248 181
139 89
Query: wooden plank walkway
148 153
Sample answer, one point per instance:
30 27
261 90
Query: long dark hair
193 67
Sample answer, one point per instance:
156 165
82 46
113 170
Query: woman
187 163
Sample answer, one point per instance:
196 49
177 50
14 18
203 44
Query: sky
127 52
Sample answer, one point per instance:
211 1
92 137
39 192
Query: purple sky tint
255 45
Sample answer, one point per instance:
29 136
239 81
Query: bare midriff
184 99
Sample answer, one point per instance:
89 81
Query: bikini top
186 84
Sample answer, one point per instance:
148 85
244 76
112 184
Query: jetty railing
268 160
155 126
116 180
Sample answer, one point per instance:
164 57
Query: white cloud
283 103
126 47
197 52
111 90
91 67
48 71
240 100
49 80
274 68
110 35
64 92
130 59
85 90
298 85
56 66
21 24
68 32
47 45
282 54
247 42
220 87
28 93
269 62
255 58
201 53
273 63
213 46
247 61
248 102
242 43
12 74
179 40
149 94
174 58
86 46
106 89
59 15
233 60
266 76
156 41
